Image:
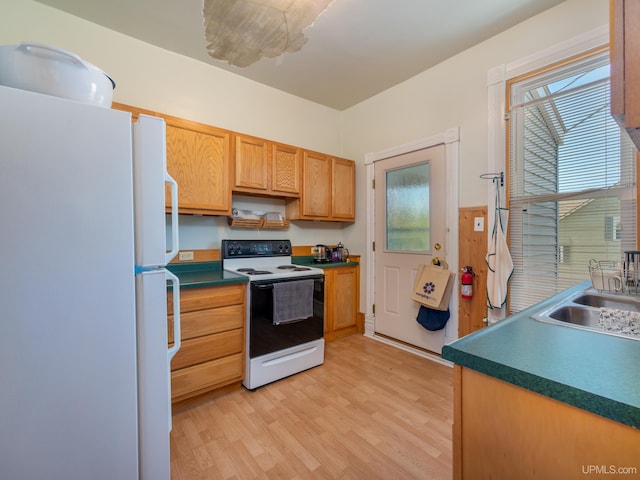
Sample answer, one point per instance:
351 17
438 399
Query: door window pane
408 208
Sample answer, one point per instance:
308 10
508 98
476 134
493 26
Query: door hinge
373 308
373 246
373 183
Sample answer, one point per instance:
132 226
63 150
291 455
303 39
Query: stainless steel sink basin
587 317
607 301
583 311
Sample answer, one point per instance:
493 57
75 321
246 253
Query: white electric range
285 309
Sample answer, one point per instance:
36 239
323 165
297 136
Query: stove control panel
255 248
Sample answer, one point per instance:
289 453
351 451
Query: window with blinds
572 192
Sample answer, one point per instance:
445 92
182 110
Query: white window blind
572 177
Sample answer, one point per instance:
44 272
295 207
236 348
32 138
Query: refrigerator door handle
176 314
175 247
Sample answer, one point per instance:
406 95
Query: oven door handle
290 322
263 287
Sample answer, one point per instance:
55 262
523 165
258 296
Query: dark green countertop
308 261
595 372
204 274
210 274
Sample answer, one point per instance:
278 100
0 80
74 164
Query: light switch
478 224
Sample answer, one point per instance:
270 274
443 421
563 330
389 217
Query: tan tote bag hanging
433 286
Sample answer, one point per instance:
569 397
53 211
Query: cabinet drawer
209 347
208 297
206 375
206 322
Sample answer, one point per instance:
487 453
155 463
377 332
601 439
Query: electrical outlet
184 256
478 224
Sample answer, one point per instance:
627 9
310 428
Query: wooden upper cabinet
263 167
251 163
625 65
208 163
286 164
343 203
316 185
328 189
198 159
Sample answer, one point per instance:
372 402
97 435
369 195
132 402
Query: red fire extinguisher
467 283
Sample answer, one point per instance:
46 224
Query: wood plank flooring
371 411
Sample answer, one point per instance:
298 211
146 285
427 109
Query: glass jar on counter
342 253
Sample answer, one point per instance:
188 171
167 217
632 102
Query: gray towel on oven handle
292 301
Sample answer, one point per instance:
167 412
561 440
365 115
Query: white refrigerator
84 359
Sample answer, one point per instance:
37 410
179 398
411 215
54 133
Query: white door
410 229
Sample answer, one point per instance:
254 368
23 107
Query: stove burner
253 271
294 268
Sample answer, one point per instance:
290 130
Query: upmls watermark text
608 470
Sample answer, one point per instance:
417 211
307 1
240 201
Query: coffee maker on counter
322 254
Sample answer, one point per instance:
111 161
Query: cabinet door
343 204
285 169
198 159
341 284
625 65
316 187
531 430
251 163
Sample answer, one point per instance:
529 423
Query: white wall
454 93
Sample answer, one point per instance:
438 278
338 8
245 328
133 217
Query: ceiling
355 49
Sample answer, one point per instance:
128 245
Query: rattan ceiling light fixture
244 31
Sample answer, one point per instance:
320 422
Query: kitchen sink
609 301
587 317
609 314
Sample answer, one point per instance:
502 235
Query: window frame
497 77
541 273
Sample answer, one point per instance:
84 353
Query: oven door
265 336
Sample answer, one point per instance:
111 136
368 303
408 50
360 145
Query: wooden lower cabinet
211 354
501 431
342 293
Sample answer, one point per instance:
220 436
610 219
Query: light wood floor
371 411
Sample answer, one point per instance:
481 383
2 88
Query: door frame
450 138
